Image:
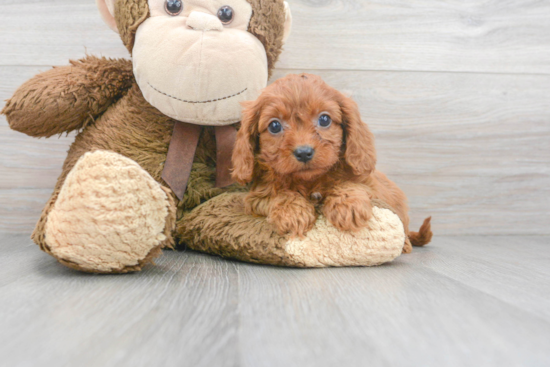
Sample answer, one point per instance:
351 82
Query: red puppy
303 144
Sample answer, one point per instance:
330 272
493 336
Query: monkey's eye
173 7
275 127
225 14
324 120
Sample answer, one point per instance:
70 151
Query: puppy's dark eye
225 14
173 7
275 127
324 120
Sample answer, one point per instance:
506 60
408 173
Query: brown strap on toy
181 154
225 141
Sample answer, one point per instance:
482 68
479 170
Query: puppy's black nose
304 153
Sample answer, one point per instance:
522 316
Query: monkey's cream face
195 60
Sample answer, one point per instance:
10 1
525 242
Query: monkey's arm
68 98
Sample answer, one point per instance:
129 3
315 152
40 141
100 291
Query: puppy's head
300 127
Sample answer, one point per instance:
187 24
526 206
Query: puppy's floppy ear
243 153
360 153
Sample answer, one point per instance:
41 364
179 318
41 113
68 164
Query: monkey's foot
111 216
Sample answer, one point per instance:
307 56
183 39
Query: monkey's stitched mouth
186 101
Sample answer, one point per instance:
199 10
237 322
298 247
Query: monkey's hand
68 98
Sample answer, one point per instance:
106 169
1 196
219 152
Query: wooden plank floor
461 301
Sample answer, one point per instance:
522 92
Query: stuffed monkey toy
150 164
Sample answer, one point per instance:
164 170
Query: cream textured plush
200 54
324 245
109 215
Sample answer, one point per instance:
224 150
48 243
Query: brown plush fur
100 98
129 14
68 98
340 178
267 24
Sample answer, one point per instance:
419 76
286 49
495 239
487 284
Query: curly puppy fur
340 178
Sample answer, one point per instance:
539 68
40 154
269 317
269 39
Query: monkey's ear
107 11
288 22
243 153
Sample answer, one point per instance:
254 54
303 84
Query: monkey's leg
110 216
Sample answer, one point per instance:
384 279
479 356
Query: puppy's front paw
255 204
348 213
292 215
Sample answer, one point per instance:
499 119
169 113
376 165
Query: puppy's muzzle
304 153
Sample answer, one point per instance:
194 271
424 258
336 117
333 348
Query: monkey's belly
136 130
